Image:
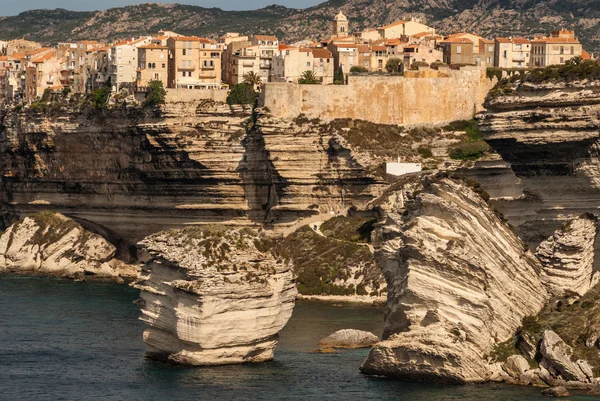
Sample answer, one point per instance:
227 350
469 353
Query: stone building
340 26
458 51
244 56
560 47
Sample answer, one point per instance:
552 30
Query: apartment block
512 52
153 65
194 63
560 47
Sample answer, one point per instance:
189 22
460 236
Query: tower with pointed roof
339 27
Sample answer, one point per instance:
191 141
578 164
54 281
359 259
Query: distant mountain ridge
485 17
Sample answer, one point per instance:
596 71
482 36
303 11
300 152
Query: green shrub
425 152
417 64
469 150
99 97
156 95
242 94
357 69
393 65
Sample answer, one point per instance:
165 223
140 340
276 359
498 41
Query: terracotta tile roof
160 37
17 56
421 34
265 37
486 41
522 41
458 41
43 58
346 45
585 55
363 49
3 58
153 46
378 48
556 40
321 53
285 47
503 40
396 23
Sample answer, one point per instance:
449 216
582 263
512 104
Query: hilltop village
29 69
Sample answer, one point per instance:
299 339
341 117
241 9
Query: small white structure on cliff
398 168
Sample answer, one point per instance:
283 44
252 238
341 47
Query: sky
14 7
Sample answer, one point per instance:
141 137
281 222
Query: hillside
486 17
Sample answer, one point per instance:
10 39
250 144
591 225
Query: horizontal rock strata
196 163
213 296
52 244
459 281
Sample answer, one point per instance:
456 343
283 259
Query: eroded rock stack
50 243
213 296
568 256
459 281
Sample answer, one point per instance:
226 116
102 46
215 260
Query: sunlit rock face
213 296
459 281
199 162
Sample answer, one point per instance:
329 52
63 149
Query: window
458 49
562 51
183 73
572 49
189 63
156 77
164 65
287 52
490 49
162 56
308 63
505 54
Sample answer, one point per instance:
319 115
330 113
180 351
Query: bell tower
339 26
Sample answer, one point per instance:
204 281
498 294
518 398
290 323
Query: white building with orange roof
512 52
123 62
560 47
290 63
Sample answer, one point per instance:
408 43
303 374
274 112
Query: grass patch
473 147
352 229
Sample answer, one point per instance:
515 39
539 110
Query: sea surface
61 340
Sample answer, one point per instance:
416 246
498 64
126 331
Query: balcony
187 68
265 66
208 67
247 64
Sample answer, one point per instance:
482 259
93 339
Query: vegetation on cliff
574 70
335 265
473 146
242 93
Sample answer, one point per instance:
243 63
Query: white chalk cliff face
568 256
213 296
459 281
50 243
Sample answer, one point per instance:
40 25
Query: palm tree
252 78
308 78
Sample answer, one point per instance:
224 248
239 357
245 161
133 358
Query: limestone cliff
197 162
548 133
213 296
568 256
52 244
459 281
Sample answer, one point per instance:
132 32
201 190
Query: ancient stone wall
431 100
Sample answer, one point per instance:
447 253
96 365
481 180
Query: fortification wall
191 95
447 96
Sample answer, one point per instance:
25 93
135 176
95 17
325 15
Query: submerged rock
213 296
567 257
556 392
349 338
459 281
50 243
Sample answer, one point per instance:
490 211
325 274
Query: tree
338 77
99 97
242 94
393 65
253 79
416 64
156 95
357 69
308 78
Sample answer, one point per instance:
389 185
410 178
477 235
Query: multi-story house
457 50
512 52
21 46
345 55
560 47
123 62
255 55
404 28
194 63
153 64
290 63
267 47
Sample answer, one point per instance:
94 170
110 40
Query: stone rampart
436 98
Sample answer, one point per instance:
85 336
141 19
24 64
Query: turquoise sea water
61 340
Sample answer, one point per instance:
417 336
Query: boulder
459 281
557 355
527 345
567 257
516 366
213 296
349 338
556 392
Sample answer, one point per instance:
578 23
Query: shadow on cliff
262 183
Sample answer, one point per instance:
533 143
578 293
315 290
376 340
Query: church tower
339 26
